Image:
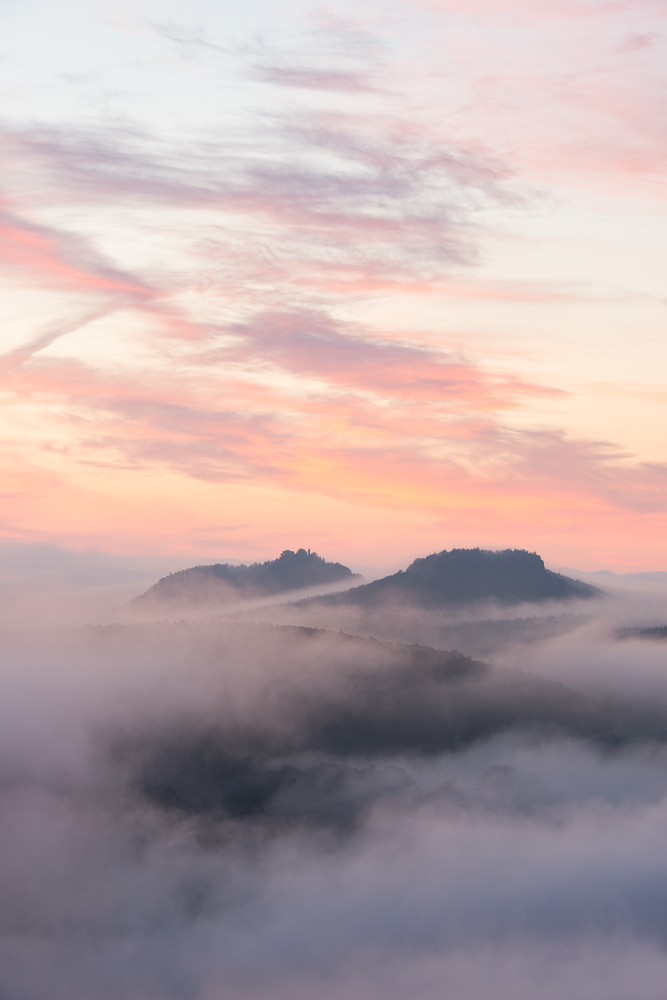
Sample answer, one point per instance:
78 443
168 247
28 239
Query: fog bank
243 811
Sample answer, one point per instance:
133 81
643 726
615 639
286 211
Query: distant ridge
658 632
460 576
223 583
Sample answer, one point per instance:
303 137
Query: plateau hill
461 576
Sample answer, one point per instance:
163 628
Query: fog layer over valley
239 810
473 600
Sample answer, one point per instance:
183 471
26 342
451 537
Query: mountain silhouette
460 576
224 584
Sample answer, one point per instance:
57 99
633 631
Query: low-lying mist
237 810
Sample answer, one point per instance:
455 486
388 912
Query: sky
375 278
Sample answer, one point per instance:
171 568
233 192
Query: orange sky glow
378 281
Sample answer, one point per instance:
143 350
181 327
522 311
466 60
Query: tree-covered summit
459 576
224 583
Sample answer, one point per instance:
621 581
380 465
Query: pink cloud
264 237
310 344
508 10
572 87
401 430
349 199
59 258
455 461
315 79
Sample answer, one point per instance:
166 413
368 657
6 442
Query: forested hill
223 583
459 576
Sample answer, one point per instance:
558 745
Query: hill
224 584
659 633
218 745
461 576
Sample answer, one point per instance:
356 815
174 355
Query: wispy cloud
314 79
211 284
60 258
